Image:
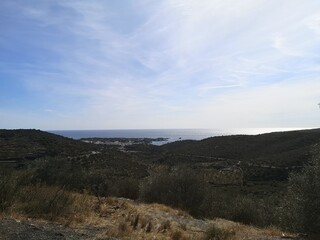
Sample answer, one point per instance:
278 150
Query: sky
146 64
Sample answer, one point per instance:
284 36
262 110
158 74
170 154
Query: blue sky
159 64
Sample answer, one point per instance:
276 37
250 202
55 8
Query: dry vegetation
127 219
111 216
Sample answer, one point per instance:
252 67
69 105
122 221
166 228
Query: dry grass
166 209
177 235
127 219
44 202
243 232
81 210
130 220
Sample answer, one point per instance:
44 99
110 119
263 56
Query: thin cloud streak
177 58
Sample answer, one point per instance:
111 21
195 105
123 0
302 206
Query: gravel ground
11 229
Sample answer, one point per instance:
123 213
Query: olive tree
302 205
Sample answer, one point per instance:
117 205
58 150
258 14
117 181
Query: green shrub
301 208
127 188
246 211
69 174
239 207
181 189
215 233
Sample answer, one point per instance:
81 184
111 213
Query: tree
302 205
181 188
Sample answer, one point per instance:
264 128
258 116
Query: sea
170 135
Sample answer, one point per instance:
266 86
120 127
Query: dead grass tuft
183 226
135 221
177 235
170 210
122 230
164 226
148 227
273 231
122 227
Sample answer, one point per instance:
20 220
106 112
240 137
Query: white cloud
313 23
283 46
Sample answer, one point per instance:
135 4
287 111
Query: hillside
239 178
281 149
73 163
264 157
24 144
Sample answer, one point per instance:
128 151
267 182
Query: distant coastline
170 134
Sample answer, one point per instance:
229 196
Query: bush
44 201
239 207
69 174
246 211
10 184
8 188
181 189
215 233
301 210
127 188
